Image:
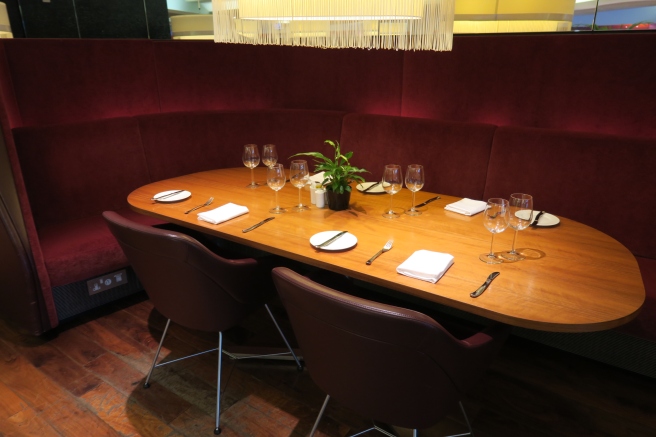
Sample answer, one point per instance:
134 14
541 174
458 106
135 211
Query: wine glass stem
491 254
513 245
252 177
299 197
413 201
391 211
277 207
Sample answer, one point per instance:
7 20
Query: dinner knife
427 202
167 195
331 240
371 186
483 287
257 225
537 217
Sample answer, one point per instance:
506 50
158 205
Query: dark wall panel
112 19
157 13
55 19
89 18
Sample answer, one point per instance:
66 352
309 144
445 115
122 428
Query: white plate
344 242
378 189
175 198
546 219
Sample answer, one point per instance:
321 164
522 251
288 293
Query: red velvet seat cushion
181 143
455 155
83 248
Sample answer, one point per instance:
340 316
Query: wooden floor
86 379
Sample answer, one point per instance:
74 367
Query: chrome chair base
384 431
217 430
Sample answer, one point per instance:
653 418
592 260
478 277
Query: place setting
171 196
333 241
517 214
392 182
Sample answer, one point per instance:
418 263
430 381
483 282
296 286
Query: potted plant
338 173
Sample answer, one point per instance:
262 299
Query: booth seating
85 122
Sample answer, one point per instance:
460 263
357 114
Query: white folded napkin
223 213
467 206
317 178
426 265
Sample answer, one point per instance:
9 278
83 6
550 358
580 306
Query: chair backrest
186 281
387 363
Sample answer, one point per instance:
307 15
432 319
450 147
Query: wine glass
495 219
414 181
251 159
520 215
276 180
299 175
392 183
269 155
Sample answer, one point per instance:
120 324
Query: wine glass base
512 256
413 211
300 208
253 185
277 210
391 215
490 258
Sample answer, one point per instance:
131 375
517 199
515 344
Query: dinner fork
385 248
211 199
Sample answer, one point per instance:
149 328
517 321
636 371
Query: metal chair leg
159 348
217 430
164 363
414 431
316 422
298 363
464 413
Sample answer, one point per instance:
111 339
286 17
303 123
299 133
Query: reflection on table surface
574 278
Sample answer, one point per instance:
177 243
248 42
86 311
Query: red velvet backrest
597 83
182 143
351 80
59 81
607 182
79 170
454 155
203 75
7 96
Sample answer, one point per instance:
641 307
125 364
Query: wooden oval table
576 279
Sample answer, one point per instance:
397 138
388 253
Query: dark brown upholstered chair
192 286
391 364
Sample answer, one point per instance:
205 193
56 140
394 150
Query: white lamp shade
386 24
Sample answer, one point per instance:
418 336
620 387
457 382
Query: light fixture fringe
370 24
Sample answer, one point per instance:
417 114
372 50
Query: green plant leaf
338 172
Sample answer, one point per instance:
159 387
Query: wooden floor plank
123 414
85 379
25 423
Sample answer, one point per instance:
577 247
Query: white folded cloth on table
426 265
223 213
467 206
317 178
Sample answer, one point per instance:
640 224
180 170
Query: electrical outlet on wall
106 282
